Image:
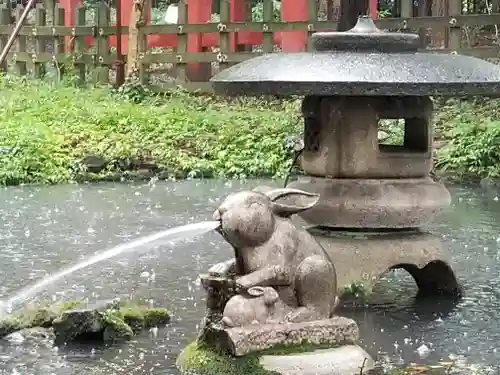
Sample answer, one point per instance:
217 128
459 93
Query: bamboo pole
15 32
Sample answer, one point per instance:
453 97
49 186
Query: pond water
45 228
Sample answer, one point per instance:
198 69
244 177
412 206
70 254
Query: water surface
45 228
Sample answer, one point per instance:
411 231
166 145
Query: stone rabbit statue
260 305
271 251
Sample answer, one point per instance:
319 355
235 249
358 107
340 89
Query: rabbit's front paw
219 269
243 283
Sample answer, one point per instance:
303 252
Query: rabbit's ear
287 201
263 189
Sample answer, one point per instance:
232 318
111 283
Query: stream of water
182 232
46 229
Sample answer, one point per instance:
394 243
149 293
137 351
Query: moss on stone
139 317
114 327
203 360
10 324
33 316
120 323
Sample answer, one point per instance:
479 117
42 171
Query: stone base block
302 359
344 360
368 203
240 341
362 257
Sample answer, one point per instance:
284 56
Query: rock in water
106 322
78 324
344 360
94 163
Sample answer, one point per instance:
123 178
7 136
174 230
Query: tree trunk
350 10
137 20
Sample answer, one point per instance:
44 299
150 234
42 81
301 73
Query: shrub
48 129
471 133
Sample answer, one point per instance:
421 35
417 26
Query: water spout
176 233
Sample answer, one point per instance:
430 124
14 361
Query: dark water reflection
43 229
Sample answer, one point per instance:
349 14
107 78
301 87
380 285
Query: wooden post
5 18
455 33
58 42
101 73
313 18
119 63
40 20
224 39
79 45
268 38
135 45
350 10
180 66
20 45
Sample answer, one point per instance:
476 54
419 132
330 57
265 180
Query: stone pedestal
325 346
374 197
364 256
219 291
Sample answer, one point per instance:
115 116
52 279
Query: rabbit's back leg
315 285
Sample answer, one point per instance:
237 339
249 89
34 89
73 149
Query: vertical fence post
406 9
455 33
143 49
21 43
5 20
224 40
78 47
312 9
495 6
180 66
40 20
138 18
267 34
422 12
101 72
58 42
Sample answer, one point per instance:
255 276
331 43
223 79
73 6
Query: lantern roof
363 61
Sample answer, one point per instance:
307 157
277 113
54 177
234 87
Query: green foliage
471 131
258 11
356 290
47 129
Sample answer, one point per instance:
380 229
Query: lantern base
362 257
373 203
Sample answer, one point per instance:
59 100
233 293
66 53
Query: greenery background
58 132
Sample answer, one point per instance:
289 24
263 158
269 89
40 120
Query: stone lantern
375 198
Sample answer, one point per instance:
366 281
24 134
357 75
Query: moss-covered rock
202 360
107 321
114 327
33 316
141 317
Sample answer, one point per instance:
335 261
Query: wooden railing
47 47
